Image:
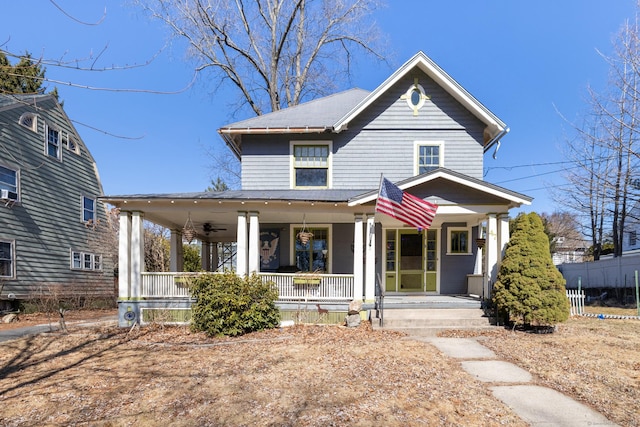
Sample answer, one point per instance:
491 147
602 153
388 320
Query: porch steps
430 321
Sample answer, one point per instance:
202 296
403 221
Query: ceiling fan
208 228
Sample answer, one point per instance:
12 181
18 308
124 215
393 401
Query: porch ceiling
222 215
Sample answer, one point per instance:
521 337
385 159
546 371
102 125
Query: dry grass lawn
302 376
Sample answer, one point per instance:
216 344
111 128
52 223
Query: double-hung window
7 259
88 210
428 156
311 165
52 147
9 182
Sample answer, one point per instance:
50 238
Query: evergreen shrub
227 304
529 289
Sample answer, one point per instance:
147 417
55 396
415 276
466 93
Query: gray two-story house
310 179
54 234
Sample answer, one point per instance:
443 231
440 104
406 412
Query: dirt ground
305 376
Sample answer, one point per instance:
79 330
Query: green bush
227 304
529 289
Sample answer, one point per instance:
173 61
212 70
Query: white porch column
503 235
124 256
137 253
176 260
205 255
370 268
358 283
477 269
254 243
241 255
491 257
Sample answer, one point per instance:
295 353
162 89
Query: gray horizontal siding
379 141
46 225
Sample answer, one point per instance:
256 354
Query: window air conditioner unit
8 195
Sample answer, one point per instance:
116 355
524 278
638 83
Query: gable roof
495 128
333 113
16 100
515 198
315 116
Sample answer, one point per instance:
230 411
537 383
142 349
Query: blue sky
528 62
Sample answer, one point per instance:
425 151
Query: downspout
496 140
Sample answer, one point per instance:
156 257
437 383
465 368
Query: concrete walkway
11 334
539 406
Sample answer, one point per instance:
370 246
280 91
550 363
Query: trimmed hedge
227 304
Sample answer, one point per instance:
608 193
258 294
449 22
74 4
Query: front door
411 261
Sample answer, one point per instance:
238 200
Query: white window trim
13 259
92 260
34 121
93 220
46 141
329 227
469 242
292 162
416 152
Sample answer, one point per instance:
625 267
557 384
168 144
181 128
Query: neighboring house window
9 182
30 121
311 165
428 157
633 238
88 210
7 259
69 143
458 242
53 143
86 261
312 255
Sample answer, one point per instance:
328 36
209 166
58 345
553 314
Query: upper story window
311 164
7 259
29 120
458 242
429 156
88 210
52 143
633 238
415 97
8 183
69 143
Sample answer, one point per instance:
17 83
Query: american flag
409 209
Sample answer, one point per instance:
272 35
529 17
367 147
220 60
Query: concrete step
428 322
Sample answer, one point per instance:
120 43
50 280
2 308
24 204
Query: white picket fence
576 302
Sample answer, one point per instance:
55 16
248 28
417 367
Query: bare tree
606 151
275 53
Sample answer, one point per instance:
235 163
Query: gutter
228 134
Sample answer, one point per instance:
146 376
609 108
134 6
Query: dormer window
311 165
30 121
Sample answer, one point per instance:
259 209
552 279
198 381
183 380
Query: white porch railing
315 287
291 286
165 285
